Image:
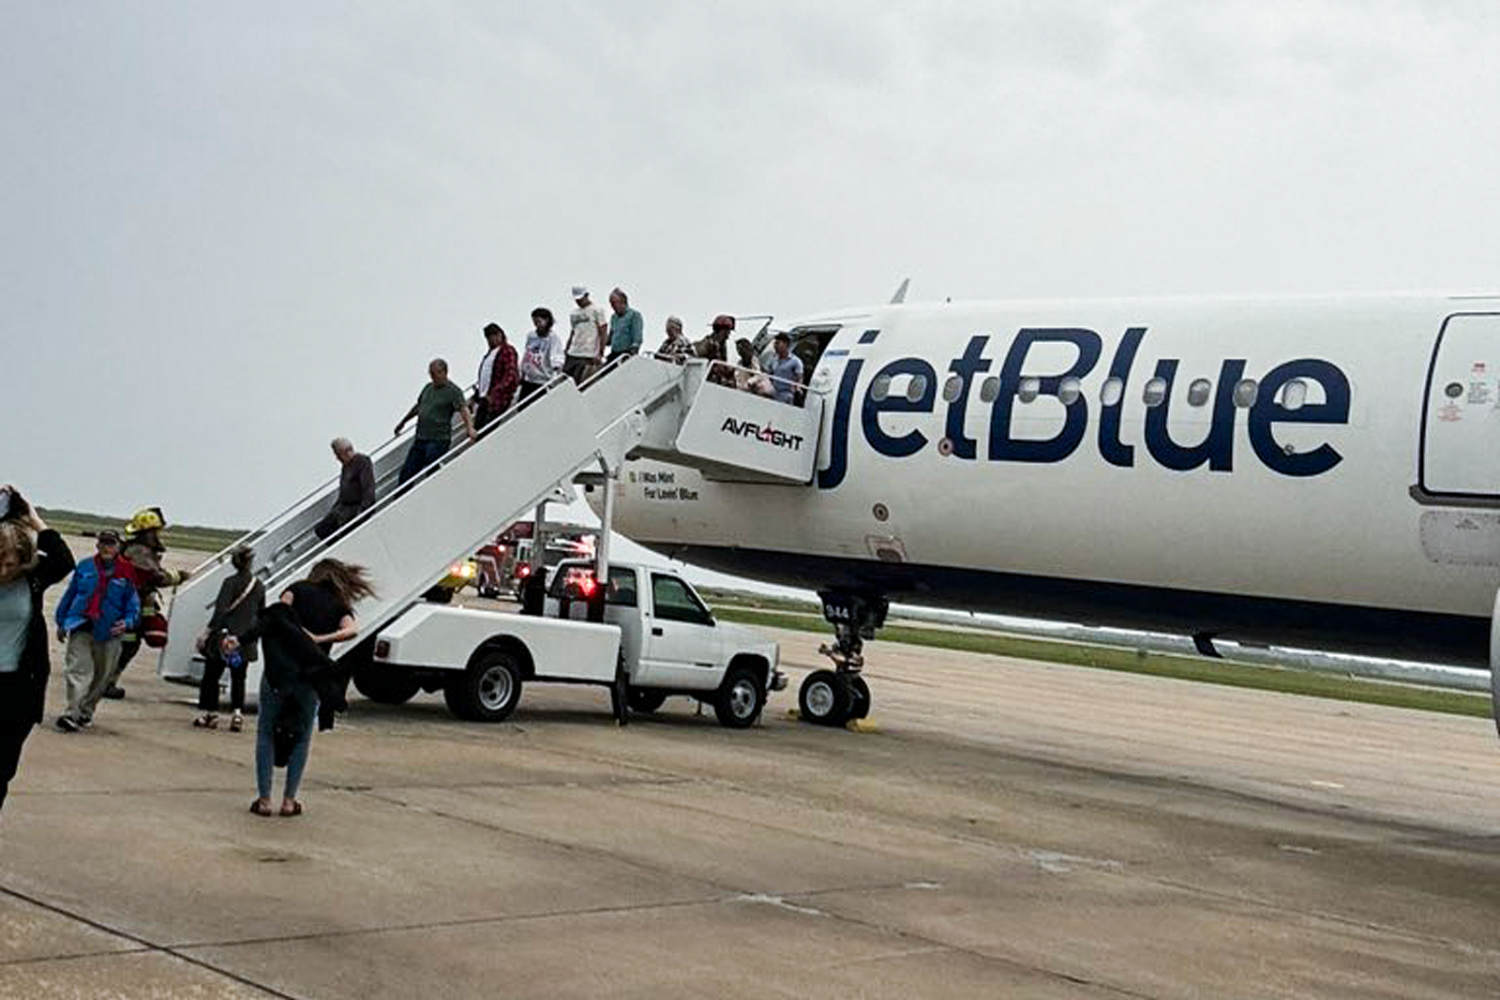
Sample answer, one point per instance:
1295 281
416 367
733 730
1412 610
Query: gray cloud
247 229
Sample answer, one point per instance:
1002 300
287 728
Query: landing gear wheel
644 701
740 699
859 697
387 685
824 698
487 691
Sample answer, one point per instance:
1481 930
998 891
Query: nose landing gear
834 697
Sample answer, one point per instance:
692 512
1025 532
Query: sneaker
66 724
86 723
114 692
236 722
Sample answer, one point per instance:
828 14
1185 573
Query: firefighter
143 551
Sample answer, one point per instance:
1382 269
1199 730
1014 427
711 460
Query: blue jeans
299 704
421 455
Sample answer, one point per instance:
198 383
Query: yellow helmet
145 519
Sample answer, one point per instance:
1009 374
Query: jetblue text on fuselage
1215 450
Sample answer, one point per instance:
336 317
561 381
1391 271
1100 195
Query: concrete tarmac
1011 829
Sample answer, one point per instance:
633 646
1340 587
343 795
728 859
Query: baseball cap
107 535
579 291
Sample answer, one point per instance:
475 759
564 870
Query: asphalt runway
1011 829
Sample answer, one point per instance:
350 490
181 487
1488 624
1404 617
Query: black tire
643 700
859 697
488 691
438 595
387 685
824 698
741 698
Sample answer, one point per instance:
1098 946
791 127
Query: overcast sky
235 231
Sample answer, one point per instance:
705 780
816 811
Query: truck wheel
387 685
859 697
740 699
487 691
646 701
824 698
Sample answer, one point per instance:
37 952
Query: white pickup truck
657 639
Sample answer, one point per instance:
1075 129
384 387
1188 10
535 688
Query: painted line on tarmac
146 945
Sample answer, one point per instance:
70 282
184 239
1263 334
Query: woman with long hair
32 558
296 634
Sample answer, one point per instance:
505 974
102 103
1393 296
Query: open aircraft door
1461 418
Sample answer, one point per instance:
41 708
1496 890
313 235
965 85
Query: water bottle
234 659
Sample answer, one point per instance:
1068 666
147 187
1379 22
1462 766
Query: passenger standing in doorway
297 633
676 346
747 376
626 328
785 370
544 357
32 558
714 348
236 609
98 607
356 488
498 374
434 409
586 343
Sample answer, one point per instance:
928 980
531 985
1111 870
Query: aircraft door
1461 421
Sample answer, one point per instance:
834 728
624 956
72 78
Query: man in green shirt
434 410
625 326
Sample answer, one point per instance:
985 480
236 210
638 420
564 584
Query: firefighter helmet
145 519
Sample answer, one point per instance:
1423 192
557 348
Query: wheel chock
861 726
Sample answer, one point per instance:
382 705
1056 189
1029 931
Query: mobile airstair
637 406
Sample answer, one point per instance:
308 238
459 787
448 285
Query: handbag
154 630
202 639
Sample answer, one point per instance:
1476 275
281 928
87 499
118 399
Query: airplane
1320 472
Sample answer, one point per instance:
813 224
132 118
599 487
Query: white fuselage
1316 464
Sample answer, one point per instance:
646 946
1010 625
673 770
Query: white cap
580 291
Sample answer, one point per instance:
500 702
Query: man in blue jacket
98 607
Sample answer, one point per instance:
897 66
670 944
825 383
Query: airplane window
1155 392
1198 392
1245 392
1294 394
1111 392
951 388
989 390
1069 389
880 388
1029 388
916 388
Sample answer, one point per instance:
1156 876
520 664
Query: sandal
261 807
207 720
295 810
236 723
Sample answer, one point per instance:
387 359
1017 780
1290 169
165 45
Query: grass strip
1140 661
186 536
